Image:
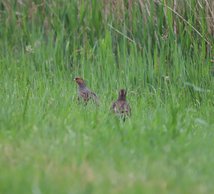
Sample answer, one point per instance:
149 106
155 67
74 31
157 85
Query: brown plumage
84 93
121 106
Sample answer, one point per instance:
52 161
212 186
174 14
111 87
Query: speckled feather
121 106
84 93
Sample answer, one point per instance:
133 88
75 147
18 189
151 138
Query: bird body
121 106
84 93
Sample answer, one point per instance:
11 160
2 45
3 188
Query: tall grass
160 51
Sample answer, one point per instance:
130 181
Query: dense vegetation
160 51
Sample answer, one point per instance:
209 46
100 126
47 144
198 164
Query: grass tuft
161 52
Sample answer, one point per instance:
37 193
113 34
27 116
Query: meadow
160 51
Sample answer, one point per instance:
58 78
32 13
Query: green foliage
51 144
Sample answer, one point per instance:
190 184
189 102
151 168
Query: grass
51 144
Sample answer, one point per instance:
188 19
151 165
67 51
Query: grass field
50 144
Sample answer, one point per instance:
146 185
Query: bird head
79 81
122 94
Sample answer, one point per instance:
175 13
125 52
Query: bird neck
122 98
81 85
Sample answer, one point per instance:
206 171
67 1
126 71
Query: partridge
121 106
84 93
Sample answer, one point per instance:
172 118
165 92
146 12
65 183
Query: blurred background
161 51
76 31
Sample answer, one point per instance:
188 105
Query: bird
84 93
121 107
